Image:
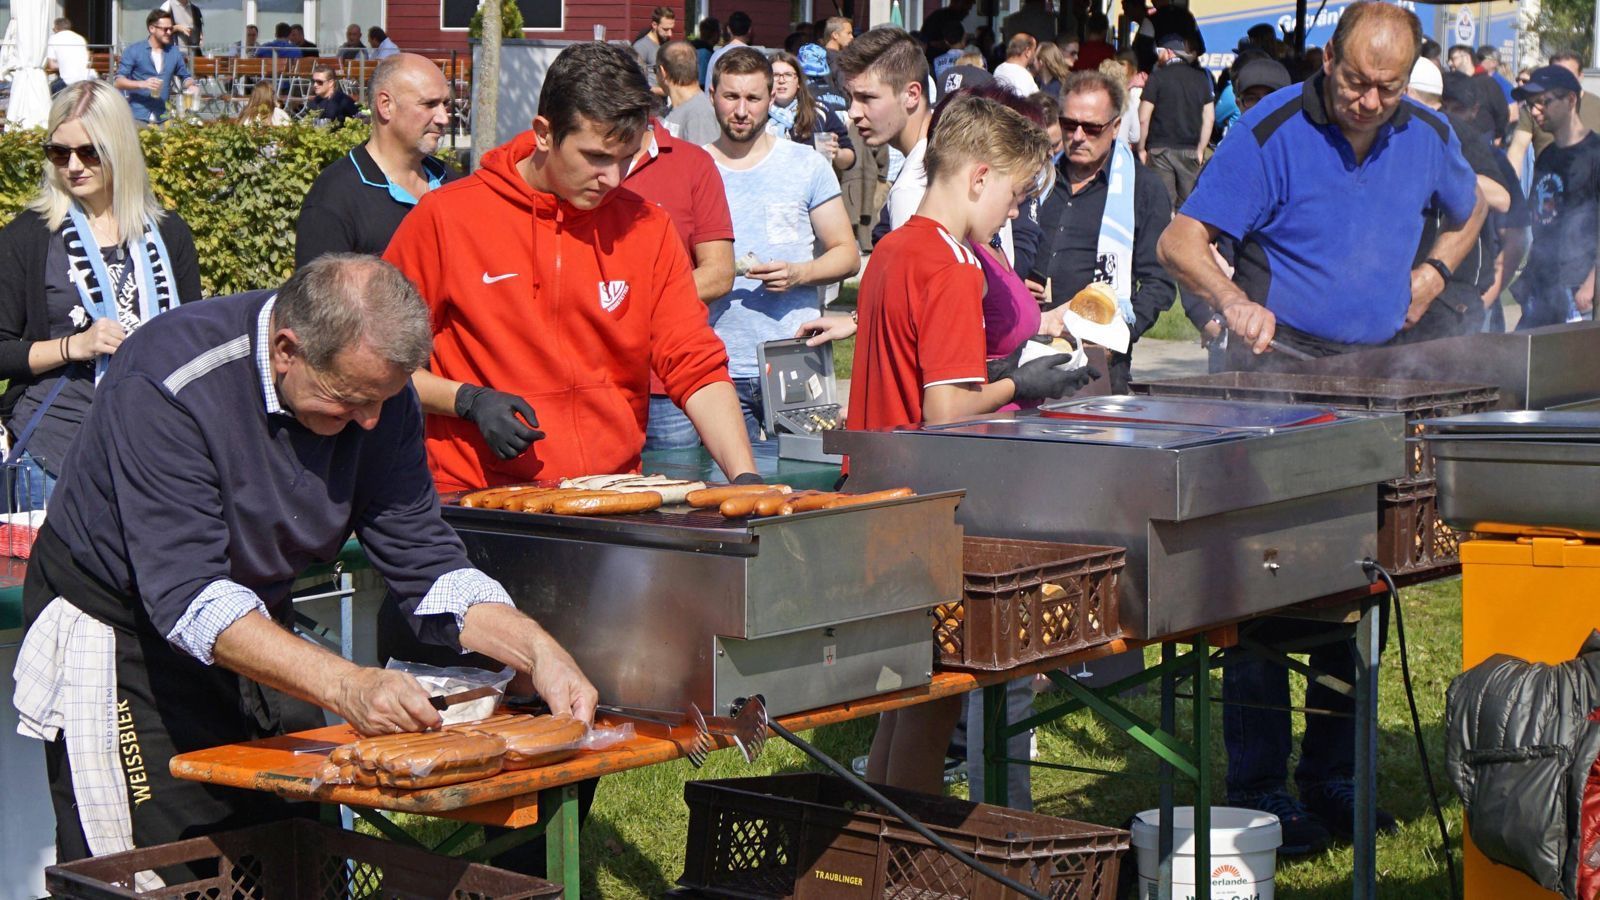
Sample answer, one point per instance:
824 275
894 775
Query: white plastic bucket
1244 853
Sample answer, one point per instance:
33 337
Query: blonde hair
975 129
258 109
105 115
1053 61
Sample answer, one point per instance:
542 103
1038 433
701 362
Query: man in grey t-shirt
692 119
662 18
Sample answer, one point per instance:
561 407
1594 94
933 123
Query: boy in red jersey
920 343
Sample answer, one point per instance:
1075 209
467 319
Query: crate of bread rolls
1028 600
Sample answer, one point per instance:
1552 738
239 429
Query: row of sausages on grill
733 500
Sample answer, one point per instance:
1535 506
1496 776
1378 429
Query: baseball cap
1173 42
1548 78
1261 73
1426 77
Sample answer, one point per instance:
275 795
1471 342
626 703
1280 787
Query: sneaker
1334 802
1302 833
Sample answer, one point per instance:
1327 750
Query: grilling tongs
748 729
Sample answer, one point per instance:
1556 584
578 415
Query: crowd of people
153 72
600 286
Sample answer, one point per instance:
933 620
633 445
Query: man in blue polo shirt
1323 185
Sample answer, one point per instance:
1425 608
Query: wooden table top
511 798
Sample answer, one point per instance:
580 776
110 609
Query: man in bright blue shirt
147 70
1323 185
280 47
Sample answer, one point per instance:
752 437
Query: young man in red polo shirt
682 179
920 345
552 291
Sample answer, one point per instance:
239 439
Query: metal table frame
1194 760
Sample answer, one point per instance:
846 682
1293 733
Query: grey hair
343 300
1090 80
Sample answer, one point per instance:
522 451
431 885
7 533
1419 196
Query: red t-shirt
682 179
920 323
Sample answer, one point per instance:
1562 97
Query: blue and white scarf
1114 251
780 119
86 264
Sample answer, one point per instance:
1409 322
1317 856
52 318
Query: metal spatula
696 749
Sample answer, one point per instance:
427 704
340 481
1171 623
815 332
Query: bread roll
1097 303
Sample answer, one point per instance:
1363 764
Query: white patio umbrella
26 37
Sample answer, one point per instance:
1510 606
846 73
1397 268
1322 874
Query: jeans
30 486
668 428
1259 741
968 741
1544 304
749 390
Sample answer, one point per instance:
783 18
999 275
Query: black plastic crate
813 836
297 859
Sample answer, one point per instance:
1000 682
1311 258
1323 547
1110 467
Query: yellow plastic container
1538 599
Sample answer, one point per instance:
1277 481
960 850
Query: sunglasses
59 154
1540 100
319 81
1069 127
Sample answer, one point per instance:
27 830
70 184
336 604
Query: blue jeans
749 390
1259 741
30 486
1544 304
668 428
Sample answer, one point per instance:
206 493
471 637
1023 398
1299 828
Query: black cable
877 797
1416 721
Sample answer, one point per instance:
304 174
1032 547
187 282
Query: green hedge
238 187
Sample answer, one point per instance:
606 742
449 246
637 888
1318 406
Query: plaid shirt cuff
222 603
458 591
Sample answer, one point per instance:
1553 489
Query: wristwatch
1438 266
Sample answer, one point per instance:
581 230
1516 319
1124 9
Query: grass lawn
633 844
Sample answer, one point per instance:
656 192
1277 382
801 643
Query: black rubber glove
495 413
749 478
1042 380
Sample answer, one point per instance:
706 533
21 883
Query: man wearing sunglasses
1558 283
147 70
1104 216
329 103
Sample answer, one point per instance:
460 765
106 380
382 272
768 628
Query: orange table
514 799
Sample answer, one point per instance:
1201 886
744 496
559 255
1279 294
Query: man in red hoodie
552 292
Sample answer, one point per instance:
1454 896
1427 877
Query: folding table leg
1169 725
1364 839
1202 764
559 808
996 772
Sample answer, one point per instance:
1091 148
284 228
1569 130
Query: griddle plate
1231 414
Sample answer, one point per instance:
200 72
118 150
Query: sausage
390 756
874 497
711 497
811 500
357 750
499 501
543 503
440 777
476 498
616 504
453 749
741 505
773 505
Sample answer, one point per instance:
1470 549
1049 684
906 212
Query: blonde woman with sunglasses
92 258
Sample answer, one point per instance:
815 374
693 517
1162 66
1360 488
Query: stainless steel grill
666 608
1227 509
